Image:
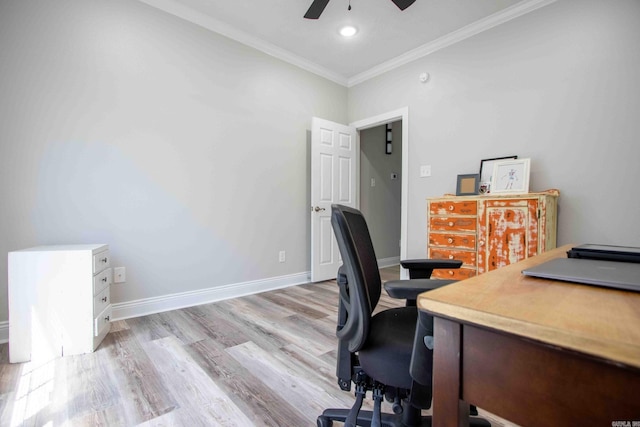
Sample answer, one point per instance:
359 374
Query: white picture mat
486 170
511 176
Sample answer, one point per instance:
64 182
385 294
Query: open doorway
401 116
381 189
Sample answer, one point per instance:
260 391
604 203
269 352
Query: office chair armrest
422 268
410 289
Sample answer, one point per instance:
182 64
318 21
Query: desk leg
448 409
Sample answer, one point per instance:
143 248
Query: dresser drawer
465 241
466 207
101 301
454 273
102 321
101 281
467 257
452 223
101 261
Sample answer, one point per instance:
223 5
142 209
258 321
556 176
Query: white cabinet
59 301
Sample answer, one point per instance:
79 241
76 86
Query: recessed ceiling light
348 31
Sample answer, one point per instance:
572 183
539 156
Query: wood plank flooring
260 360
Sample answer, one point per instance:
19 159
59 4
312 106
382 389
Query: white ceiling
387 37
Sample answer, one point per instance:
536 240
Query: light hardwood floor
263 360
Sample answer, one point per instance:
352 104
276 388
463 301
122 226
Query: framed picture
486 172
511 176
467 184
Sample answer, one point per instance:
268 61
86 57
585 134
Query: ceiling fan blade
316 9
403 4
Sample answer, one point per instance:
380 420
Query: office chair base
364 418
387 420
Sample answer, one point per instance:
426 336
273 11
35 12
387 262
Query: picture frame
511 176
486 172
467 184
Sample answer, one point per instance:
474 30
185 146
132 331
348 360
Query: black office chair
383 353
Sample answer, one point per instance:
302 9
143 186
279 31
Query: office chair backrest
363 276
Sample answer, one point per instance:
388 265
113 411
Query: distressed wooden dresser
491 231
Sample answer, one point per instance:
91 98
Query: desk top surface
596 321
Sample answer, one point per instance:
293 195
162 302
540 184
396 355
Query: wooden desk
534 351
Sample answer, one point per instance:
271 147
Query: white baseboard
4 332
143 307
388 262
146 306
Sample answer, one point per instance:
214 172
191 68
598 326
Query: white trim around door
391 116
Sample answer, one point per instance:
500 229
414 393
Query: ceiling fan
318 6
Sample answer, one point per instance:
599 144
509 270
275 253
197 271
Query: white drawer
101 301
101 261
101 281
102 321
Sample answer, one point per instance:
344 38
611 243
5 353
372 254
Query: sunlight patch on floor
33 392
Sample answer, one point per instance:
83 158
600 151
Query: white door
334 156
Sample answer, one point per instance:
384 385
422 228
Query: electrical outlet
425 171
282 256
119 275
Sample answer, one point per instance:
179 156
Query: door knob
318 209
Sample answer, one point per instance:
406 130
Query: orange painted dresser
491 231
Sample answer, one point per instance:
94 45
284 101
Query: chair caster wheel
324 421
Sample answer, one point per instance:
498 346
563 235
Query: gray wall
185 151
558 85
188 152
380 205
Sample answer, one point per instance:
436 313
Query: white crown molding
173 7
188 14
463 33
143 307
4 332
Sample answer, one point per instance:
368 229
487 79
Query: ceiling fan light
348 31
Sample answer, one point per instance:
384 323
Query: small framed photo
486 172
511 176
467 184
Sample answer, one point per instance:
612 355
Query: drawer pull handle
450 256
107 318
104 299
450 223
450 207
104 279
104 260
450 240
450 272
